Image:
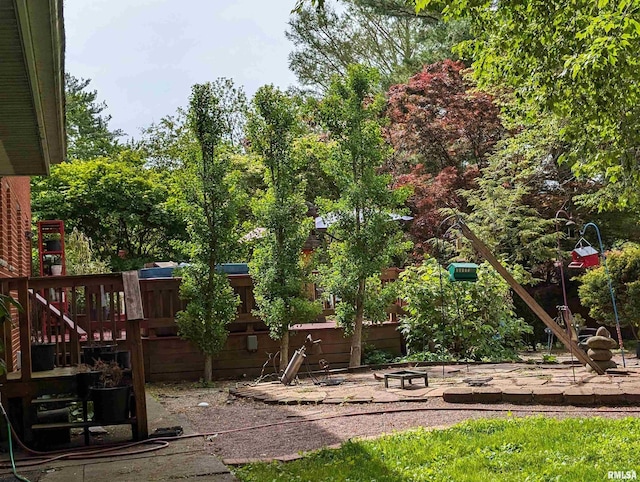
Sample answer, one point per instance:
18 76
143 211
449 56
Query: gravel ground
240 431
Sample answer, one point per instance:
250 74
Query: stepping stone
548 395
609 396
517 395
632 395
487 394
580 395
458 395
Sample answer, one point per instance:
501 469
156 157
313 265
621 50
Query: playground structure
566 339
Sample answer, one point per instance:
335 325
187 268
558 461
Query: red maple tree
442 130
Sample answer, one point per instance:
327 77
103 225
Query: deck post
134 311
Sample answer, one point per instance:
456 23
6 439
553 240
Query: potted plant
106 353
111 395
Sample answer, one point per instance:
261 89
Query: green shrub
624 269
468 320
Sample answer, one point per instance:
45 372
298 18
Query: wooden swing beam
486 253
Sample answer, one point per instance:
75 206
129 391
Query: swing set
468 272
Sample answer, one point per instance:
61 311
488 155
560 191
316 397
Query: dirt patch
243 428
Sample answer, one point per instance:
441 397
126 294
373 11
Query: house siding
15 222
15 246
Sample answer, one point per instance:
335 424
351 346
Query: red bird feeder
584 256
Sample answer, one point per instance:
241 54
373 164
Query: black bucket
43 357
110 405
123 358
85 381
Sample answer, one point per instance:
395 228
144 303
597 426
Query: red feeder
584 256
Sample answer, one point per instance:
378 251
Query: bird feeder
584 256
463 272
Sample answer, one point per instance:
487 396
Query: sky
143 56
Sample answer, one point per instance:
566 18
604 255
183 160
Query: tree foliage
458 320
211 303
88 133
364 238
522 186
624 269
378 34
443 130
277 267
117 202
574 59
439 119
80 256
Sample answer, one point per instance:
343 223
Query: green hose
13 463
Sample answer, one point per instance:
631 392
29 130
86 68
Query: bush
468 320
624 268
373 356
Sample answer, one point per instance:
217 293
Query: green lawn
511 449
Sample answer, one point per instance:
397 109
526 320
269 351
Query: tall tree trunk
208 368
284 350
356 339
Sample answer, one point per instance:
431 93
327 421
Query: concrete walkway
182 459
554 384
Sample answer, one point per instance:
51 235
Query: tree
88 134
443 130
364 237
512 208
433 198
574 59
277 268
624 270
211 302
439 119
328 40
117 202
80 256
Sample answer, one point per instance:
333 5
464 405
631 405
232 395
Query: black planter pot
93 353
123 358
110 405
85 381
43 357
53 245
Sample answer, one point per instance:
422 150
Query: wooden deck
66 311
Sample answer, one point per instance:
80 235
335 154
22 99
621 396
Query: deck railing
69 312
161 301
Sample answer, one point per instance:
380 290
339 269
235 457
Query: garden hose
13 463
162 442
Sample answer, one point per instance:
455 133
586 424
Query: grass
522 449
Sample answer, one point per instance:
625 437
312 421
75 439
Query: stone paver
510 383
548 395
519 395
609 396
579 395
458 395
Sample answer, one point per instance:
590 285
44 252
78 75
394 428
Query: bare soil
238 428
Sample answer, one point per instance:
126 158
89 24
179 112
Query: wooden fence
169 358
